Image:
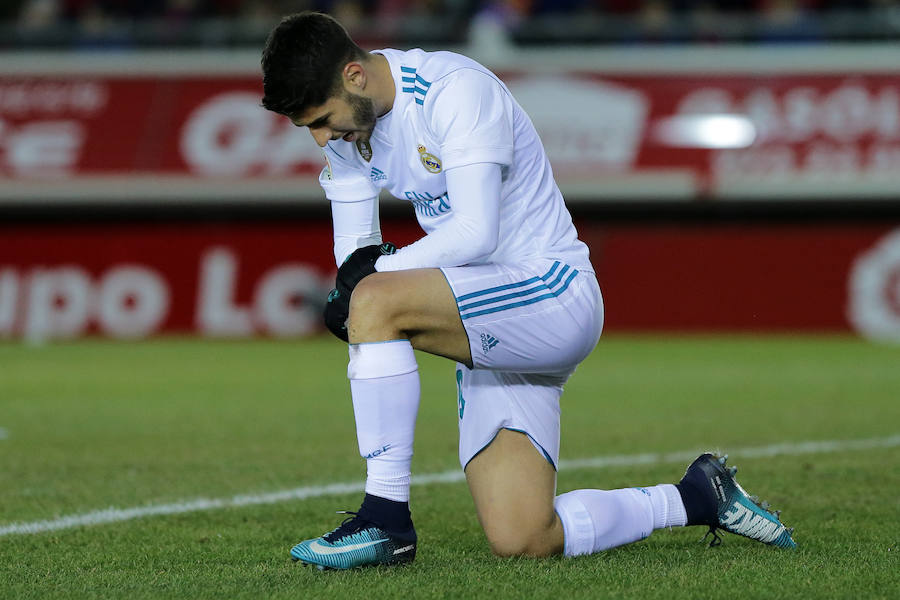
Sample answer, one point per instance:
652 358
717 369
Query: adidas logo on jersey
487 342
377 174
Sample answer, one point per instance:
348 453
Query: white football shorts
529 326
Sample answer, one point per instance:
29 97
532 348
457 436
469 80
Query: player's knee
372 310
370 300
518 540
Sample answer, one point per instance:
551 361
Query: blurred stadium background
734 165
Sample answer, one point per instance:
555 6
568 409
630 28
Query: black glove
337 310
357 266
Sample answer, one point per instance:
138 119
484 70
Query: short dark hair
302 62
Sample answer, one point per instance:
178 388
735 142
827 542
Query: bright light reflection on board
705 131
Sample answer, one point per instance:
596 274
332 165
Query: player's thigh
509 446
490 401
513 487
416 303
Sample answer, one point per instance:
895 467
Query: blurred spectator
887 12
39 14
787 21
490 28
656 22
405 22
706 22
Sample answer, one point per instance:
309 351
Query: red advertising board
609 135
271 278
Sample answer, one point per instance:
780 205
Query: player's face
348 116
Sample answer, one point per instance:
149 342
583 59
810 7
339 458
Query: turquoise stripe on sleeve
419 85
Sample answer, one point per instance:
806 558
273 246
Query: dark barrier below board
270 278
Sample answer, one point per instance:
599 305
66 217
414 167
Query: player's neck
385 89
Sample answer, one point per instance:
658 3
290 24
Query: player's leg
511 475
390 313
509 444
513 487
528 327
708 495
417 305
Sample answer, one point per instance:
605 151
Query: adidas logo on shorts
487 342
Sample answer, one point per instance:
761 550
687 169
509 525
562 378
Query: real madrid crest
429 160
365 149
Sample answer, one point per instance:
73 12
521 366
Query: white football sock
595 520
384 383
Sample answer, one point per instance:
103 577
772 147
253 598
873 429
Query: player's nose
321 135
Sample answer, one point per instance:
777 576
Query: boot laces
352 524
716 539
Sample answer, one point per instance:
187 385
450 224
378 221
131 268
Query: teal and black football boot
735 510
357 542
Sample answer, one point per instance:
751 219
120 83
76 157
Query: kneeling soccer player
500 283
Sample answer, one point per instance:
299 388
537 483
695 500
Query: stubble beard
363 114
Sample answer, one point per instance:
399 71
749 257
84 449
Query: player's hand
337 310
357 266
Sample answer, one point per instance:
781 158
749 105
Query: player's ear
354 75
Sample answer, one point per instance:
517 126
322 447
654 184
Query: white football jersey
449 111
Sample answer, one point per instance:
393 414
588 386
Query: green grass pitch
95 424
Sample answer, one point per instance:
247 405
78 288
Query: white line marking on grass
114 515
3 434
